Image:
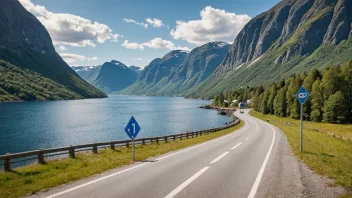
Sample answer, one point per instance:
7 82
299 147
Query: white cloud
154 22
72 58
94 58
129 45
62 48
215 25
155 43
135 22
68 29
138 59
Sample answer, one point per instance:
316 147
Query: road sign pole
132 129
301 131
302 96
133 154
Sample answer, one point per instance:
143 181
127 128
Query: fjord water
32 125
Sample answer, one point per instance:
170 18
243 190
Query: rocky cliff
292 37
25 42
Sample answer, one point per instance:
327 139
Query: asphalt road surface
254 161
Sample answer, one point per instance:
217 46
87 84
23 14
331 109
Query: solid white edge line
94 181
236 146
261 171
97 180
218 158
186 183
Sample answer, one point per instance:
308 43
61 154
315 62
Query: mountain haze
155 74
109 77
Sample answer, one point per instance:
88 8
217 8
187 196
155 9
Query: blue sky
91 32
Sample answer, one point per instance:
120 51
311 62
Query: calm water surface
33 125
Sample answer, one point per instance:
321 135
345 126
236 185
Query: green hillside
17 84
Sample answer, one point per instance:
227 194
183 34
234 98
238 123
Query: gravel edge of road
290 177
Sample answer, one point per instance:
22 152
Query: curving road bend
253 161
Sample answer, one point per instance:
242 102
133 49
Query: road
253 161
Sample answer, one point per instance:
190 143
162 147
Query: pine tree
317 100
280 105
308 84
335 109
273 93
347 75
264 102
293 106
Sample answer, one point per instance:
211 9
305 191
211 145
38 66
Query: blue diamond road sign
302 95
132 129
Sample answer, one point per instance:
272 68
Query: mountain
196 67
87 72
135 68
153 75
292 37
17 84
184 72
109 77
25 43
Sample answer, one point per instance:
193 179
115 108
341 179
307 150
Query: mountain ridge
25 42
290 38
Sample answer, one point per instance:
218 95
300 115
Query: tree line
330 96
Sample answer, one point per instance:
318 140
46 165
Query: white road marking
247 138
236 146
117 173
261 171
218 158
94 181
186 183
219 138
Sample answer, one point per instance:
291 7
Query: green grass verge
34 178
323 153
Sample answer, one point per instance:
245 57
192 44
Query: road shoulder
289 177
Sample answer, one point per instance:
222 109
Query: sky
134 32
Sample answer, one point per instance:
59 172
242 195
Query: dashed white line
261 171
219 138
218 158
186 183
117 173
247 138
236 146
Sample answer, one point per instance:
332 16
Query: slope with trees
330 96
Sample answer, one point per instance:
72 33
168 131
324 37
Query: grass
323 153
34 178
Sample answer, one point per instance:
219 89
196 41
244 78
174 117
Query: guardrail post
143 141
174 137
197 134
71 152
157 140
165 139
112 145
41 157
181 136
7 164
95 149
127 144
187 135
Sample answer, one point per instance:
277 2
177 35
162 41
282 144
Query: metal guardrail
72 150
